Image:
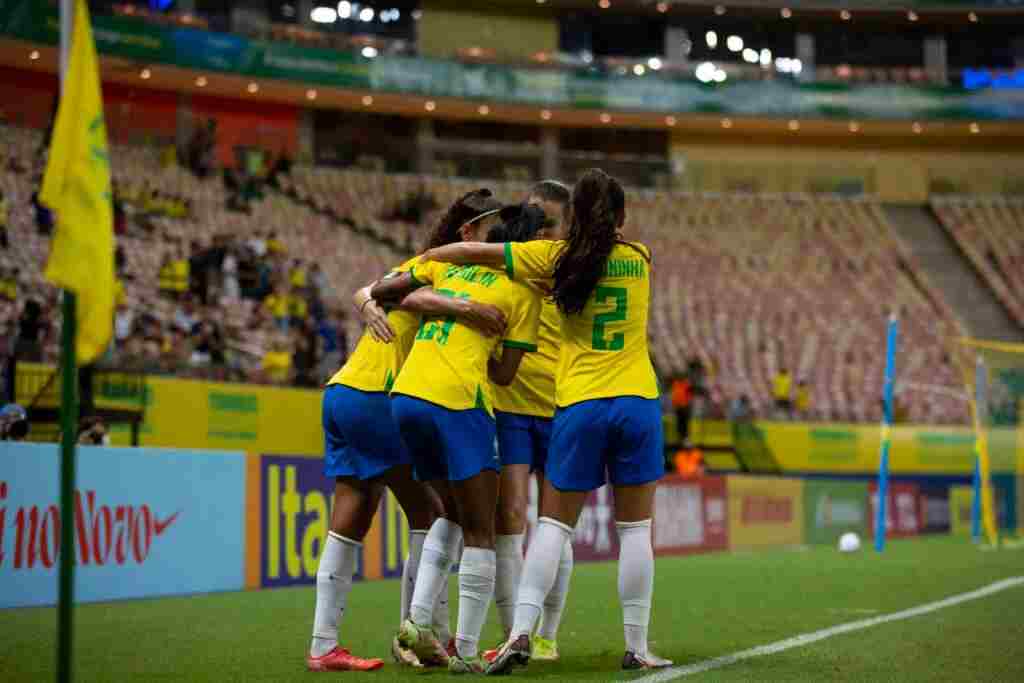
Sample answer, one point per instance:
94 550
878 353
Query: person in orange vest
682 400
689 461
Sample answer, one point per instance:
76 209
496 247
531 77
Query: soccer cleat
544 650
632 661
451 649
461 665
423 642
340 659
404 656
515 652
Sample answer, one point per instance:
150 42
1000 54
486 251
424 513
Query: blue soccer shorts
361 438
523 439
452 445
617 440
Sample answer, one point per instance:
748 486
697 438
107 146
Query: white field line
808 638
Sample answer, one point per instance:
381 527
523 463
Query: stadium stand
990 233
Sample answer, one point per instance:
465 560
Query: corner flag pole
883 460
979 410
68 419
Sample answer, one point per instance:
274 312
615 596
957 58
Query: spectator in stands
3 220
297 276
274 245
185 319
740 409
689 461
298 309
682 402
31 324
277 306
9 284
229 269
277 361
333 344
257 245
13 423
782 388
124 324
304 358
92 431
318 282
803 399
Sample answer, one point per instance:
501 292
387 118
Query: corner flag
77 187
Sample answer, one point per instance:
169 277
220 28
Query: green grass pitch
705 606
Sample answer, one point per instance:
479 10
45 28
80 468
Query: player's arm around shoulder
521 335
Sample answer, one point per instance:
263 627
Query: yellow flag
77 187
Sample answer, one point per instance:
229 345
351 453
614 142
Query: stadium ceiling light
845 15
975 128
786 12
793 124
367 100
654 63
972 17
765 57
705 72
430 105
541 2
750 56
287 10
145 74
201 81
483 110
604 4
366 15
670 120
719 10
369 52
545 114
911 16
311 94
662 7
253 87
606 117
916 127
711 38
720 76
734 43
726 123
324 15
417 14
344 9
639 69
34 55
854 127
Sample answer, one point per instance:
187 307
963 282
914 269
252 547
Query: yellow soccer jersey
604 349
374 365
448 361
532 392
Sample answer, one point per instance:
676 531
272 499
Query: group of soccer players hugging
515 344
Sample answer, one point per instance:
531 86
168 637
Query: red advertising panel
903 514
690 515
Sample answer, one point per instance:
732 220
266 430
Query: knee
478 534
512 514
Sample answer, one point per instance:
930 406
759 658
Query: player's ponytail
598 211
465 209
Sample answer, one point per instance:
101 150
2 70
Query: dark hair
598 211
466 209
553 191
522 226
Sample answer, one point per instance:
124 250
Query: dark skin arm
503 371
487 319
462 253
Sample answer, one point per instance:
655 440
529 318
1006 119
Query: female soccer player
523 412
442 403
608 417
363 449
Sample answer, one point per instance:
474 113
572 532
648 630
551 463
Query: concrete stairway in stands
950 271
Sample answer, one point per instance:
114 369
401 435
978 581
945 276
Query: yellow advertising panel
960 500
195 414
765 511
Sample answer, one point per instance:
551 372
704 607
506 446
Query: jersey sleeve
524 321
531 260
426 273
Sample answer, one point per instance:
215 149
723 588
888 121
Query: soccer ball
849 542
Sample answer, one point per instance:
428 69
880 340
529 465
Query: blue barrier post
883 460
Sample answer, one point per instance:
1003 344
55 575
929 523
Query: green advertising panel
831 508
131 38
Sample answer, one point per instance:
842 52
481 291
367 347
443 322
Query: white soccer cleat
632 661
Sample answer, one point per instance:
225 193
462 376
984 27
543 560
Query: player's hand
487 319
427 256
376 320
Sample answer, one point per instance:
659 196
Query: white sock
509 552
539 572
476 588
636 581
442 620
411 568
432 576
554 604
333 584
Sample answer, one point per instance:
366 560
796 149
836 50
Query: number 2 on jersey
618 314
